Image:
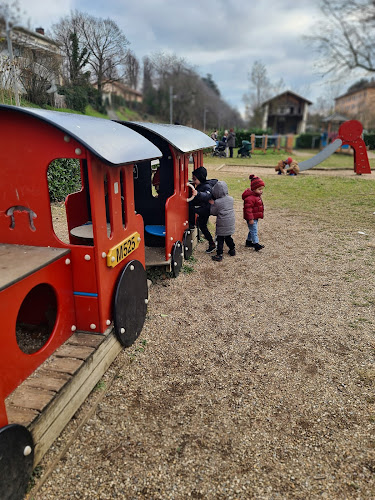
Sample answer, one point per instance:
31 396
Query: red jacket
253 207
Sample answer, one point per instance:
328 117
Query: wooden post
265 141
252 140
289 143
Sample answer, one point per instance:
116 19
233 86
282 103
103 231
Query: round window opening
36 318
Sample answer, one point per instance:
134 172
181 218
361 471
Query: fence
274 142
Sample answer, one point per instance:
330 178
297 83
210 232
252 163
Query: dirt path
253 378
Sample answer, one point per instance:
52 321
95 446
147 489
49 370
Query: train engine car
90 279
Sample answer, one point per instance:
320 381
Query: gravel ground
252 378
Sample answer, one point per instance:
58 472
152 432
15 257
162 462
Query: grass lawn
337 200
333 199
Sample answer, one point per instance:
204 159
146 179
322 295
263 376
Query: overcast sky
220 37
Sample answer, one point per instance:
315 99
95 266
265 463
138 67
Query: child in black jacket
200 204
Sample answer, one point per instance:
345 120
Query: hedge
369 140
312 141
64 177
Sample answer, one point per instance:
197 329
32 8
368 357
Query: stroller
245 150
219 149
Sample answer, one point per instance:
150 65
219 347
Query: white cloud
221 37
39 13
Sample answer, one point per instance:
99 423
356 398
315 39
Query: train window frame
58 208
122 194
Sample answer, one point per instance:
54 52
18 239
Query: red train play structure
90 280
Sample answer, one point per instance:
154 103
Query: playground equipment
84 297
350 134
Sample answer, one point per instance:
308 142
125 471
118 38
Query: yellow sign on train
119 252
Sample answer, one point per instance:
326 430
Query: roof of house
20 31
285 93
369 85
335 117
35 34
125 88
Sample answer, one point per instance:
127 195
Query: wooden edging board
48 399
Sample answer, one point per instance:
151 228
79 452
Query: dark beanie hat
200 173
255 182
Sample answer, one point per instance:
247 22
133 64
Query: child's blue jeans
253 232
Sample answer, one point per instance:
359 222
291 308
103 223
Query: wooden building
285 113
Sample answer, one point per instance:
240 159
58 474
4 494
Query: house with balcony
285 113
37 59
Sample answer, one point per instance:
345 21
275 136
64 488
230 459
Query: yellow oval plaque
119 252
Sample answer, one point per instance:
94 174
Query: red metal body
350 133
82 281
176 208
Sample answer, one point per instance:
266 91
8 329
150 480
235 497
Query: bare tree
260 89
107 46
260 81
132 70
208 80
172 86
10 12
344 38
105 43
62 33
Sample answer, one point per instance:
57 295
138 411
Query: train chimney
40 31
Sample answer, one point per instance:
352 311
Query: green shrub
64 177
369 140
308 141
78 97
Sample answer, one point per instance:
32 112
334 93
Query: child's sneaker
249 243
211 248
217 258
258 247
232 252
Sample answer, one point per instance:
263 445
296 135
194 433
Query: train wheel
16 461
188 244
130 305
177 256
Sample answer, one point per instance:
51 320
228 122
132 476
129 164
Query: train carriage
168 238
